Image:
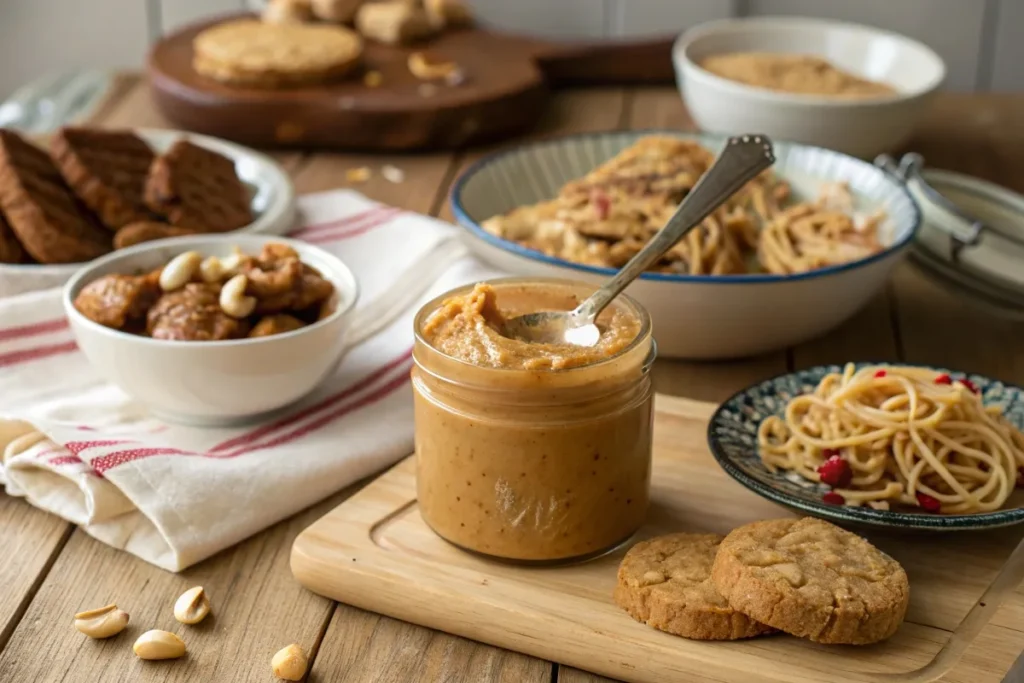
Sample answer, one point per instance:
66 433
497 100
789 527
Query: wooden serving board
504 92
965 622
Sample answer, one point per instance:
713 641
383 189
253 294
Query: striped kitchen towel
78 447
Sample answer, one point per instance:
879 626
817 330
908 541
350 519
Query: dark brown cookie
11 250
107 169
147 231
197 188
43 213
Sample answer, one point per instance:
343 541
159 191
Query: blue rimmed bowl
732 438
697 316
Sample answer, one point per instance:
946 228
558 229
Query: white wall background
981 40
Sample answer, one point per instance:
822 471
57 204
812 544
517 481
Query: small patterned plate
732 437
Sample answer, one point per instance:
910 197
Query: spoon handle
742 159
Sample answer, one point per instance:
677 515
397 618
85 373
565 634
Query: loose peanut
290 663
193 606
101 623
158 644
233 300
180 270
427 69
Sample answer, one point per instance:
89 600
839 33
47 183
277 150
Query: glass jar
535 466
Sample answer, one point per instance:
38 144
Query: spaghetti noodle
607 216
910 435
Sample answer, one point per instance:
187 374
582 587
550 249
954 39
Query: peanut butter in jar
528 452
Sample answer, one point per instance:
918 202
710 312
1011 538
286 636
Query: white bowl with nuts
214 330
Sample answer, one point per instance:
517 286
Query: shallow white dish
861 127
697 316
223 382
273 205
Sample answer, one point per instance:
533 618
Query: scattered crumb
358 175
373 79
455 78
392 174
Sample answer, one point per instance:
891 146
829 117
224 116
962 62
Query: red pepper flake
943 379
833 498
602 203
928 503
969 384
835 472
880 374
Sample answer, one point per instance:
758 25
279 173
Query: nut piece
157 644
396 22
336 10
211 270
287 12
448 13
290 663
358 175
180 270
427 68
233 300
193 605
103 622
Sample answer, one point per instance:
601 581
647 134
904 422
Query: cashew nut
158 644
180 270
233 300
290 663
101 623
193 606
426 69
211 270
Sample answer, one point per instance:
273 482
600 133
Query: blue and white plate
732 437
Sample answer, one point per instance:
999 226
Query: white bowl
221 382
273 206
861 127
697 316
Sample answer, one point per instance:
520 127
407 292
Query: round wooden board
501 95
504 92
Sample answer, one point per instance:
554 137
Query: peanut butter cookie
666 583
812 579
261 55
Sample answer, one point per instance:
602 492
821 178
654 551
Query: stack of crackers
99 190
804 577
304 42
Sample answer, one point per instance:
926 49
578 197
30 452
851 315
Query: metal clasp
967 231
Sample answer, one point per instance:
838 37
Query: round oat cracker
253 53
666 583
812 579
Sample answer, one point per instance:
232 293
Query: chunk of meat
274 253
315 289
276 324
273 279
117 300
193 313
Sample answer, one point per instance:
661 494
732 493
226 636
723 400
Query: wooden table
50 569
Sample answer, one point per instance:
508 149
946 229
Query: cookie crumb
392 174
358 175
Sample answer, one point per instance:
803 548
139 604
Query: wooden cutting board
504 92
375 552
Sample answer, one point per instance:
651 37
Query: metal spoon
742 159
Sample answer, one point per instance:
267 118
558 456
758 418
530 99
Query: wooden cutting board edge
316 551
